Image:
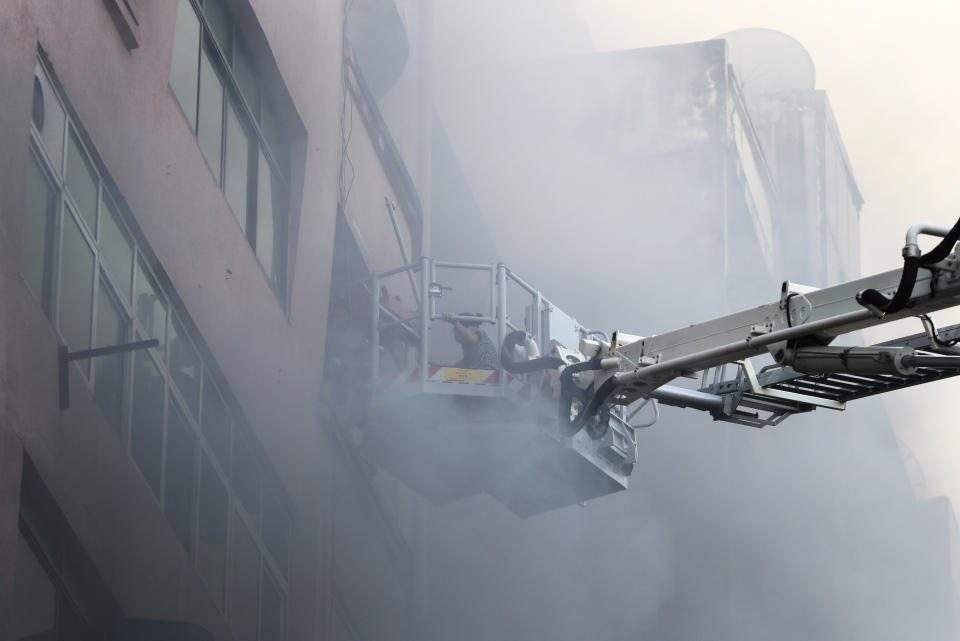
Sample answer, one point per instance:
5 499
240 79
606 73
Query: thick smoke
810 530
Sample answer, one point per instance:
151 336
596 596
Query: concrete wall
270 356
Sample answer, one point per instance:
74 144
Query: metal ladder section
769 396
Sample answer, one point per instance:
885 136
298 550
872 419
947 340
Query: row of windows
96 284
214 79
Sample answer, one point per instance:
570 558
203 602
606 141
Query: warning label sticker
457 374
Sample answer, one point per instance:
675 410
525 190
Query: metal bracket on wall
65 356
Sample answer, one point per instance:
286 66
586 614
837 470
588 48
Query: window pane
184 366
111 330
34 597
246 74
220 24
271 609
210 125
212 531
244 576
246 476
237 167
117 248
276 137
82 182
216 423
178 481
36 232
275 530
146 425
76 286
150 308
267 212
186 57
52 121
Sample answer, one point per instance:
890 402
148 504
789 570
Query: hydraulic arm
595 380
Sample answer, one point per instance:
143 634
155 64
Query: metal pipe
652 421
493 292
396 270
936 345
471 319
935 361
521 282
911 248
461 265
732 351
535 329
400 321
425 312
392 210
375 334
683 397
502 315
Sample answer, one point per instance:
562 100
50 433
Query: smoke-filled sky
889 69
792 533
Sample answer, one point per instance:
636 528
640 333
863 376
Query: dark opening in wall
58 593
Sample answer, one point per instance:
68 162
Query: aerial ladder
584 390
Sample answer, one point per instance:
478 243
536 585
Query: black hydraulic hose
514 339
908 277
569 391
599 398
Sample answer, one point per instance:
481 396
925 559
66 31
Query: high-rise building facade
172 179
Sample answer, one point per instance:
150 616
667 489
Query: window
146 425
186 53
212 531
246 478
151 308
221 91
210 118
82 259
58 595
82 182
37 233
245 569
111 330
185 366
237 170
49 118
216 424
34 596
76 286
178 479
117 249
